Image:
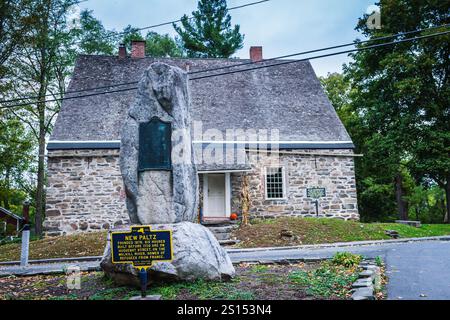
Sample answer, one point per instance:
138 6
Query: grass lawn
80 245
261 233
304 281
266 233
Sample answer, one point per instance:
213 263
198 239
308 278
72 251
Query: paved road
416 271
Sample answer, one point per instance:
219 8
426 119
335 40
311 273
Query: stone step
222 236
228 242
224 229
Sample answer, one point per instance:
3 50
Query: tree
158 45
129 34
92 36
16 150
376 199
40 67
209 34
403 95
16 18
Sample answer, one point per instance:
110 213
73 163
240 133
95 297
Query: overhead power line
380 45
322 49
324 55
120 34
244 63
189 18
174 21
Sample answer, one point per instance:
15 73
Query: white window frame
283 176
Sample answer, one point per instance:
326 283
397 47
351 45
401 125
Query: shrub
346 259
379 261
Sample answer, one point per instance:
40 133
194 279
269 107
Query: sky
280 26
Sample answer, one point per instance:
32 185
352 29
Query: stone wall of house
305 169
84 192
85 188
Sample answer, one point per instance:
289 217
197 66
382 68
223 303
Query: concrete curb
55 260
341 244
47 269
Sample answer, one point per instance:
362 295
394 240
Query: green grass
332 279
426 230
77 245
203 290
264 233
326 282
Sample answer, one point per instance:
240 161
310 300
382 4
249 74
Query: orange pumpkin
233 216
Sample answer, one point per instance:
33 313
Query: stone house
278 118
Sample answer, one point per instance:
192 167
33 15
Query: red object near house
10 218
233 216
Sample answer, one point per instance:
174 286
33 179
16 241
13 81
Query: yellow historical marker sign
141 246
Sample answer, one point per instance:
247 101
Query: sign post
25 249
143 280
316 193
141 247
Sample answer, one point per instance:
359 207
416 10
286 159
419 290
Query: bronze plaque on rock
155 145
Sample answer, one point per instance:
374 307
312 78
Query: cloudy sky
280 26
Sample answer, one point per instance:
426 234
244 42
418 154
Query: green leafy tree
403 96
16 154
158 45
209 34
16 18
129 34
92 37
40 67
376 199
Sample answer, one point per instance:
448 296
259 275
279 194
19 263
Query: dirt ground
252 282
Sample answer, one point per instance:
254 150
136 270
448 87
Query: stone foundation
85 189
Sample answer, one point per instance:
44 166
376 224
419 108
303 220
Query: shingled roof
287 97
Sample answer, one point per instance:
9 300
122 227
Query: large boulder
196 252
160 196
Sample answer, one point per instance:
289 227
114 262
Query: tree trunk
447 198
7 189
40 206
402 207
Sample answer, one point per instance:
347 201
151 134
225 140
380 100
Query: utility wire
174 21
189 18
322 49
325 55
244 63
120 34
254 68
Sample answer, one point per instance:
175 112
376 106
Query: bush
327 281
346 259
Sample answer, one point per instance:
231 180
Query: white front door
216 195
216 201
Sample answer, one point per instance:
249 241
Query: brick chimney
138 49
256 54
122 51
